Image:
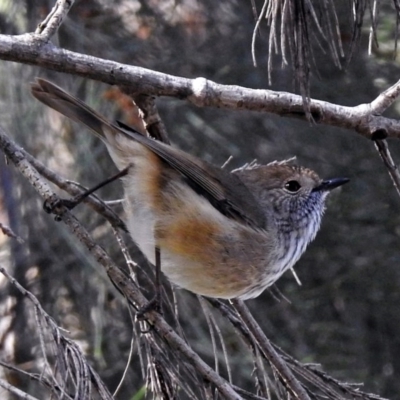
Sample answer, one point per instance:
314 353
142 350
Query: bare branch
312 373
93 201
331 387
255 32
10 233
49 27
383 150
68 354
17 392
373 40
385 99
266 347
201 92
151 118
54 387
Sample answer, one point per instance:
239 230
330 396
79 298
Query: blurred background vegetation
345 315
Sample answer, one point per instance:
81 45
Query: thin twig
207 314
130 355
17 392
214 326
151 118
64 347
10 233
272 356
49 27
374 26
255 32
383 150
72 188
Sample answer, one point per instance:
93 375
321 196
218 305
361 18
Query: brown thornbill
220 234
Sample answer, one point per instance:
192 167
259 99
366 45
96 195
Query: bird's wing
225 191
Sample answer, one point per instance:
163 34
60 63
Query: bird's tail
70 106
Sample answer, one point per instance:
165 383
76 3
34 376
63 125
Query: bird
221 234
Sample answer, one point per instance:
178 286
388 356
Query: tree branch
54 20
30 49
17 392
385 99
383 150
93 201
66 350
151 118
269 352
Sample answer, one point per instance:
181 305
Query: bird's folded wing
225 191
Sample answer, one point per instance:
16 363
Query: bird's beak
330 184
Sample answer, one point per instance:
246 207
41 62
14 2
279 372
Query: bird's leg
155 303
72 203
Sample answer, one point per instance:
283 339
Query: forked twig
50 25
383 150
272 356
68 353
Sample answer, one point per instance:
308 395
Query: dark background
346 314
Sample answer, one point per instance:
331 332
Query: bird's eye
292 186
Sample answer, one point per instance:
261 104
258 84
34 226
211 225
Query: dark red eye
292 186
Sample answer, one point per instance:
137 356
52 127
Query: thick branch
30 49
